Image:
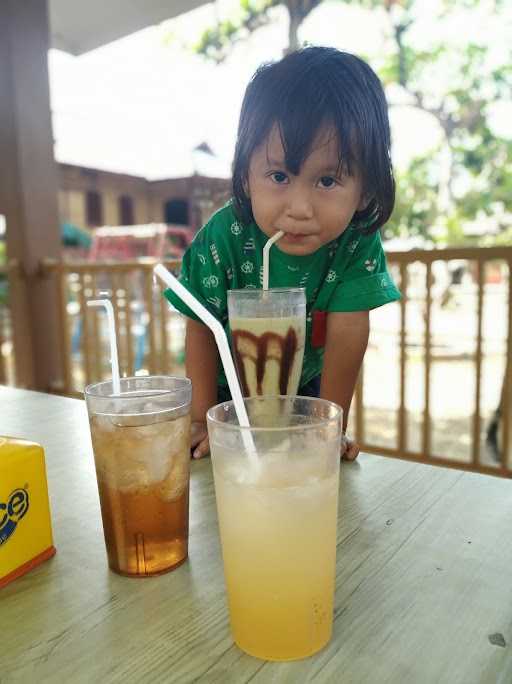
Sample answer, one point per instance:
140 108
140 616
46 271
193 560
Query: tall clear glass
141 444
268 331
278 522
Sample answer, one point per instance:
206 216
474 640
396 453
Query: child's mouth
295 238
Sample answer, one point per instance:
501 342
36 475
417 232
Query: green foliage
504 239
454 230
450 5
481 170
416 202
216 43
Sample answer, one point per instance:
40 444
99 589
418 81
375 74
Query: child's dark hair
309 89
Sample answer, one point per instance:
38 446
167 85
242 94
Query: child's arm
346 342
201 367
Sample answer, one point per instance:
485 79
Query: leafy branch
216 43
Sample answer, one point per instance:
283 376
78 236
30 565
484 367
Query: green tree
457 87
416 201
479 174
216 42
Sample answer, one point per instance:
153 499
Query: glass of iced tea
141 444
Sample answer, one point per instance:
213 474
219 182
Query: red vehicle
158 240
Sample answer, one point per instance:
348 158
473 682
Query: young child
312 159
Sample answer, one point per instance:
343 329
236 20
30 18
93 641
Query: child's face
312 208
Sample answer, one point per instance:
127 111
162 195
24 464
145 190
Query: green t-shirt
348 274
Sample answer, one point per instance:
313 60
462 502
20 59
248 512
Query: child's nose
299 205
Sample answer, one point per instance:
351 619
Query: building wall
76 181
161 192
204 195
72 207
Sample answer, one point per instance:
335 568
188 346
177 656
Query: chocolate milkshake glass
268 331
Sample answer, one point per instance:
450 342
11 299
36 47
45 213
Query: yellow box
25 525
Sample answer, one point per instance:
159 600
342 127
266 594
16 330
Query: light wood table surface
423 585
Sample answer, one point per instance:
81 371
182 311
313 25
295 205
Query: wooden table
423 590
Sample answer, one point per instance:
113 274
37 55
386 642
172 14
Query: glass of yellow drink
277 518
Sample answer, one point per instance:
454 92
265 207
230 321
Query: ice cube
176 482
136 456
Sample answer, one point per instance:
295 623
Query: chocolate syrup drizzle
288 345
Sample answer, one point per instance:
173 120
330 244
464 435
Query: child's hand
201 446
349 448
199 443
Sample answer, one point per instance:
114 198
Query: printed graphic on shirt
211 281
215 254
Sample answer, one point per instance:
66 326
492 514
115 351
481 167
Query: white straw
114 360
266 256
225 354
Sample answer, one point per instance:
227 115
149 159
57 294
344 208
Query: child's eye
279 177
327 182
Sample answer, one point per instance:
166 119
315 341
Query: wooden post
402 413
426 439
28 190
480 276
506 392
